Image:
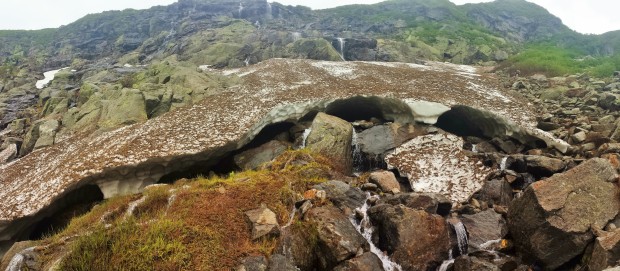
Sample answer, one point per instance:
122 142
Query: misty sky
585 16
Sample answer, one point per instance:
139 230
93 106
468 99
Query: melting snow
49 76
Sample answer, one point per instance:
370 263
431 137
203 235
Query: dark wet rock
414 239
279 262
483 227
496 191
338 240
342 195
551 222
606 252
429 202
298 244
379 139
366 262
253 158
486 262
548 126
543 166
331 136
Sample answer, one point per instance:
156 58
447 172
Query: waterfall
474 148
357 153
341 43
269 11
445 264
290 219
366 229
304 137
247 61
240 9
296 36
461 237
502 164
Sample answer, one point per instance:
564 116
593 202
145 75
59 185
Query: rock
548 126
252 263
496 192
579 137
386 181
542 165
551 222
342 195
429 202
279 262
606 252
414 239
8 154
47 133
296 247
253 158
128 108
263 222
609 101
17 126
331 136
486 262
366 262
369 187
483 227
338 240
379 139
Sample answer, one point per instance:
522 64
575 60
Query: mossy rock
318 48
553 93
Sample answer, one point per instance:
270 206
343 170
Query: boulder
414 239
483 227
8 154
366 262
279 262
379 139
543 166
332 136
606 252
47 133
385 180
338 240
128 108
496 192
429 202
297 246
252 263
342 195
551 222
263 222
487 262
253 158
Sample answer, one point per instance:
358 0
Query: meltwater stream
366 229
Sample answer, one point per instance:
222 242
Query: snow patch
48 77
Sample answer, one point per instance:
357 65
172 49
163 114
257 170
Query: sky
585 16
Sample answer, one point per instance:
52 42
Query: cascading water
269 11
357 153
461 237
444 266
290 219
296 36
304 138
247 61
502 164
366 229
240 9
341 43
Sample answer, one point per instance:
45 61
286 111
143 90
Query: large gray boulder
483 227
552 221
124 108
8 154
332 136
47 133
342 195
414 239
253 158
337 238
379 139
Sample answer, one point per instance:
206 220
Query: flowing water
366 229
290 219
240 9
269 11
357 153
341 43
444 266
304 137
502 164
461 237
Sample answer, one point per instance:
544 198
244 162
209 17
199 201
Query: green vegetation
556 61
194 224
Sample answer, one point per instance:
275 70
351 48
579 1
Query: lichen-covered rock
338 239
552 222
386 181
606 252
366 262
8 154
263 222
47 133
128 108
414 239
332 136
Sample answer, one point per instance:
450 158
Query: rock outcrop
549 223
331 136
